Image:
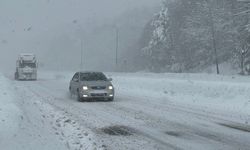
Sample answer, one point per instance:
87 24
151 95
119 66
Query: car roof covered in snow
90 72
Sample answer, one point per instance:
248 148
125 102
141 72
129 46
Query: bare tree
211 20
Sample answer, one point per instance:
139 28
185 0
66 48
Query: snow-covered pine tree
183 37
159 48
242 18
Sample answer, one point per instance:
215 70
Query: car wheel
70 92
111 99
79 99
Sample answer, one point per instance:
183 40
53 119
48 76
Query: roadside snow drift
28 123
229 94
9 115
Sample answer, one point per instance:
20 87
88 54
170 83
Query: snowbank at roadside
43 123
228 94
21 127
10 115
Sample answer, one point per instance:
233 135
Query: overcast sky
44 14
23 20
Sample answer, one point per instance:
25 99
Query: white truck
26 67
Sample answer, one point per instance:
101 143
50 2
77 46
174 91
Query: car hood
95 83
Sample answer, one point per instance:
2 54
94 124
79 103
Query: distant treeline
194 34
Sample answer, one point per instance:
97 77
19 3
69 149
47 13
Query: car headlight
85 88
111 87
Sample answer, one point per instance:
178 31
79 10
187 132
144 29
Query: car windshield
93 76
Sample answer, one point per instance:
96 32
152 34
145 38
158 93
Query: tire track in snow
61 123
100 117
106 112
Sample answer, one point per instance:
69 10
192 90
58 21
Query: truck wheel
16 76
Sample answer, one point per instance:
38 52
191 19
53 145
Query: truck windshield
31 65
93 77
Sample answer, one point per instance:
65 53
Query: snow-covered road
164 111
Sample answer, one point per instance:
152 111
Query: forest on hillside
187 35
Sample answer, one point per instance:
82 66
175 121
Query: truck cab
26 67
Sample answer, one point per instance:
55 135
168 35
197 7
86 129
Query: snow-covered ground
22 126
28 123
9 114
150 111
226 94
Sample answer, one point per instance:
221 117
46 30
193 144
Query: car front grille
98 87
98 94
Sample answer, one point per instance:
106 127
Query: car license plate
98 92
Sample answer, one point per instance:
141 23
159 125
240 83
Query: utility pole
81 38
117 46
81 54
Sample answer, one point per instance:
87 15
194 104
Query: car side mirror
110 79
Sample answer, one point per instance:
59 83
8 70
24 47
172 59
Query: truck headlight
85 88
111 87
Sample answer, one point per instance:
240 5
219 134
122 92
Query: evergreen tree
189 34
158 49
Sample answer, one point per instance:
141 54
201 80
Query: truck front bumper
27 76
